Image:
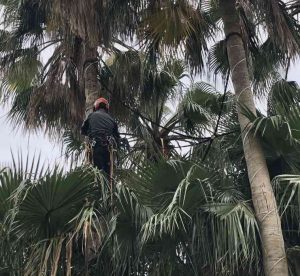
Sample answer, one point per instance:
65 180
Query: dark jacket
100 124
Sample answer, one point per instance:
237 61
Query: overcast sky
14 140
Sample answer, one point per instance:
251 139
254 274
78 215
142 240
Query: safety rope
233 34
111 170
112 150
163 147
88 152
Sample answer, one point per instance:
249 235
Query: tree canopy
184 199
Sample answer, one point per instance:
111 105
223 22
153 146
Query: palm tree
51 91
201 221
283 114
240 38
56 91
262 193
98 24
194 28
263 198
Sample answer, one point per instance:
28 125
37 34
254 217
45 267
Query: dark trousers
101 158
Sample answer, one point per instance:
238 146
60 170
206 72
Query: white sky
15 141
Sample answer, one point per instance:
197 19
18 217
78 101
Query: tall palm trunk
92 92
274 256
91 84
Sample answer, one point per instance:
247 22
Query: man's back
100 123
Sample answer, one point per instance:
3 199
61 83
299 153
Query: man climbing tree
103 133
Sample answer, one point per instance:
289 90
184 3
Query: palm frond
178 25
287 188
285 121
44 212
193 203
228 237
287 191
201 105
283 96
217 58
266 63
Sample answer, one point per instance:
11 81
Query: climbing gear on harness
108 142
99 101
112 147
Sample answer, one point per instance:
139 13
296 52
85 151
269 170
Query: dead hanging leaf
69 246
56 255
280 24
85 18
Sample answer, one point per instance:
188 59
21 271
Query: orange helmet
99 101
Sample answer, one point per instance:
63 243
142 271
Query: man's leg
101 158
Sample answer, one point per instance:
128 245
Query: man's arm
85 127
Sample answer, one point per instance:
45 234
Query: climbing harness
111 144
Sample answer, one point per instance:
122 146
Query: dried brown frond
81 17
97 21
280 24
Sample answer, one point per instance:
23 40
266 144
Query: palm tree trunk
92 92
91 84
274 256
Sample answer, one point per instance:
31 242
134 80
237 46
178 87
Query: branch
144 118
219 118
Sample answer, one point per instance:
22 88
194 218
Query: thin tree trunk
91 84
78 59
274 256
92 92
